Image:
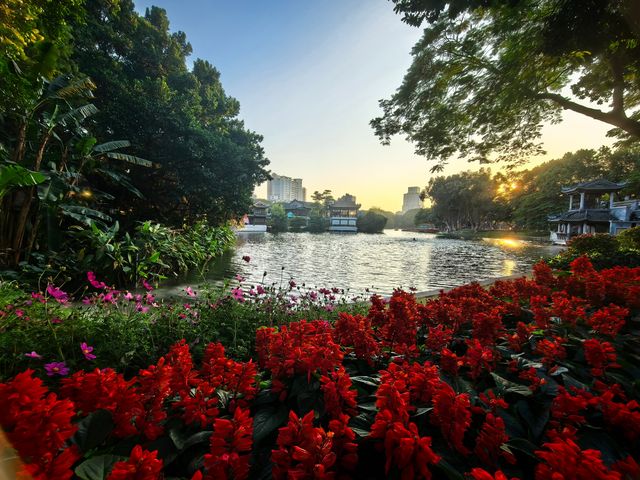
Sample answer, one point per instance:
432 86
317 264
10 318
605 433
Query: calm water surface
379 262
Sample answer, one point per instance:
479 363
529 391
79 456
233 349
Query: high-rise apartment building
285 189
411 199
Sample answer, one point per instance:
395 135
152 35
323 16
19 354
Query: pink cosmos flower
59 295
190 292
260 289
86 351
239 278
33 354
128 296
56 320
246 258
38 296
95 283
146 285
19 313
142 308
238 294
56 368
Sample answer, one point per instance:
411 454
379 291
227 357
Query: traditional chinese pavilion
593 208
343 214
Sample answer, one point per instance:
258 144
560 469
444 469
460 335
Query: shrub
629 239
372 222
590 244
297 224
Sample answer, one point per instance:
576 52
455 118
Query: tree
278 220
372 222
466 200
486 75
180 119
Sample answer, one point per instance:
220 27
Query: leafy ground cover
530 379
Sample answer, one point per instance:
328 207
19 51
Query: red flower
450 362
355 331
487 326
38 425
490 439
563 460
438 337
230 447
339 398
236 378
480 474
108 390
304 451
551 350
608 320
142 465
600 356
410 453
479 358
453 414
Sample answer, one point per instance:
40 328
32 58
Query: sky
309 74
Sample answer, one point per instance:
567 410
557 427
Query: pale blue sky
309 74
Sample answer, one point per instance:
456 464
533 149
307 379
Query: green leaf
97 468
130 159
93 430
511 387
196 438
364 380
12 176
113 145
267 421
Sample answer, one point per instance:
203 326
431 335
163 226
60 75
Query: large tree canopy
487 74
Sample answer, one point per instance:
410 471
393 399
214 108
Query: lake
378 262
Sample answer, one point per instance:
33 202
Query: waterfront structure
343 214
411 200
297 208
285 189
591 212
256 221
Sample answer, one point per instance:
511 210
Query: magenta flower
33 354
95 283
238 294
59 295
56 320
19 313
56 368
146 285
260 289
246 258
86 351
190 292
38 296
239 278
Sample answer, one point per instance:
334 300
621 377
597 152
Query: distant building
285 189
297 208
343 214
411 200
589 212
256 221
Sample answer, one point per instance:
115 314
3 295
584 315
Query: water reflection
379 263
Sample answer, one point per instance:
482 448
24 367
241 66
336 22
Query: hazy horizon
309 78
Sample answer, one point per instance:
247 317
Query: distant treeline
523 199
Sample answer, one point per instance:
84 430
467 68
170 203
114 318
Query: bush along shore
528 379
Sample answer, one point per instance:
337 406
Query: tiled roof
591 215
600 185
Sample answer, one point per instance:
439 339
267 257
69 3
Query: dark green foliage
129 340
278 220
297 224
371 222
593 244
180 119
318 223
487 75
629 239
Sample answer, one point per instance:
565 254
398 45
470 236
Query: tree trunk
23 216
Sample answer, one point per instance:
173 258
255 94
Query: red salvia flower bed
529 379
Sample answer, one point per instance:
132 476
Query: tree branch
615 118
